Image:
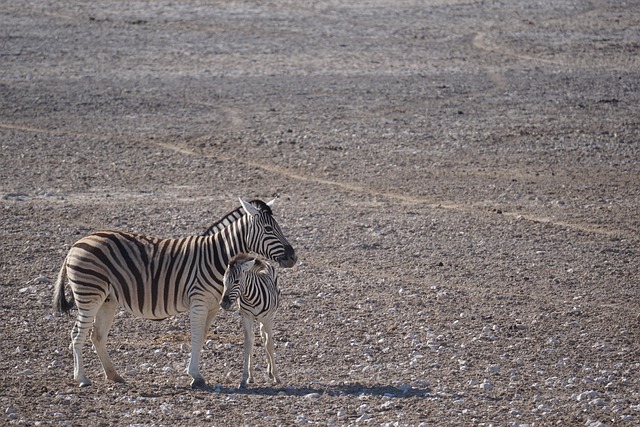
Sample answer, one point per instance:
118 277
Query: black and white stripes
157 278
254 285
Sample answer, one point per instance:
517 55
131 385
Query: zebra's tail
60 302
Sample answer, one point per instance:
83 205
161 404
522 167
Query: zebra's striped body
254 284
157 278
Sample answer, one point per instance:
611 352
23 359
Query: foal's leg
247 370
101 326
266 328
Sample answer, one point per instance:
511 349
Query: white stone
404 388
591 394
486 386
311 396
362 418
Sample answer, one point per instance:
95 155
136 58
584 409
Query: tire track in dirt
342 185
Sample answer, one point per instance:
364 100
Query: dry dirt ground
460 180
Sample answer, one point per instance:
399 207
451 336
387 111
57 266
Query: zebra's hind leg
101 326
266 328
78 337
247 369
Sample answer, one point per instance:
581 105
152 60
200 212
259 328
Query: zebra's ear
276 197
247 265
248 207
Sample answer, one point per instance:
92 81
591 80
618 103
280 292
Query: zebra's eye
268 229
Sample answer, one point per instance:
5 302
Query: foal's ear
247 265
248 207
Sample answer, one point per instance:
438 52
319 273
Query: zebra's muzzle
289 259
226 304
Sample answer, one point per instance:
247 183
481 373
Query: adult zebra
157 278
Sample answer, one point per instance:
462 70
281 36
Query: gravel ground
460 179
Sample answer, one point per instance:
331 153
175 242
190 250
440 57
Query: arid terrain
460 179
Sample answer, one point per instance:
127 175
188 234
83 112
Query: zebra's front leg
247 369
101 326
266 328
198 314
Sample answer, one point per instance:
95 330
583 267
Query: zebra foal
254 284
156 278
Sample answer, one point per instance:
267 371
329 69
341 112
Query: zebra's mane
233 216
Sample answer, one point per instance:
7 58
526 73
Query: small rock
591 394
311 396
404 388
362 418
486 385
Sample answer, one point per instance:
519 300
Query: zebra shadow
354 389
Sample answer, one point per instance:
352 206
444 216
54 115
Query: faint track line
479 43
404 198
347 186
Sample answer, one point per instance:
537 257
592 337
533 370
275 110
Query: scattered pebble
312 396
404 388
362 418
591 394
42 280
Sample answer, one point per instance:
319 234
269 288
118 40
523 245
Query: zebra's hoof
242 386
198 383
117 379
85 383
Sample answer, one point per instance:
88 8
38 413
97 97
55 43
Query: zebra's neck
227 242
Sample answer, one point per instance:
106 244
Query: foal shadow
355 389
